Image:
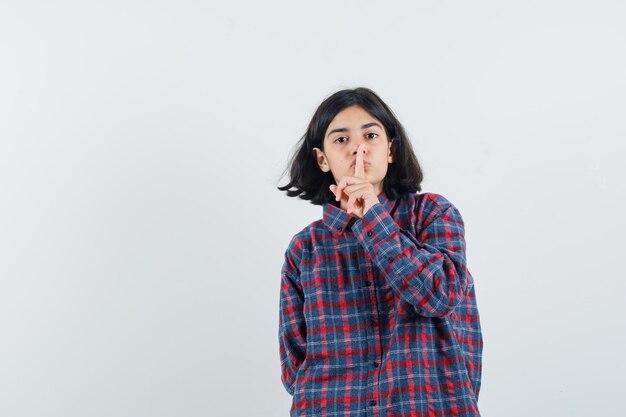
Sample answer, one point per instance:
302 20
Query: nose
356 147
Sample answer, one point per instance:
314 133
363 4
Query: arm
428 270
292 326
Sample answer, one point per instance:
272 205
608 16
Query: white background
142 234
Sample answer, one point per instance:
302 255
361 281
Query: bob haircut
404 175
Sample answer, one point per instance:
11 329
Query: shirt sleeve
292 325
428 270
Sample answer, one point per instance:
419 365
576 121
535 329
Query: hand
356 193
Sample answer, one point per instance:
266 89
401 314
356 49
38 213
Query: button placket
373 354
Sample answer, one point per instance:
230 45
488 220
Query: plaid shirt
378 315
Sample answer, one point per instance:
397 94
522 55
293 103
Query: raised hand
356 193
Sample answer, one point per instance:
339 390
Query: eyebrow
345 129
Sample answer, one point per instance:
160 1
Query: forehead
352 118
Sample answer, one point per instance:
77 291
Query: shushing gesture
357 194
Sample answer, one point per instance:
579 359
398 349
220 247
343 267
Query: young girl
378 314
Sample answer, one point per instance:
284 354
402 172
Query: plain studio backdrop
142 234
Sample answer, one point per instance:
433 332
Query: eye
372 135
338 140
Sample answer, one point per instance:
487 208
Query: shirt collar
338 220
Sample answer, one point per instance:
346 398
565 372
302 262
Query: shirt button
339 229
372 402
375 364
369 233
390 259
368 283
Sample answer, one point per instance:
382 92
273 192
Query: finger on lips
348 185
359 169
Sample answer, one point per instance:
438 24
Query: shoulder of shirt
304 236
431 202
429 206
437 201
302 239
427 201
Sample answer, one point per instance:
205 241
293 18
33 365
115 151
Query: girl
378 314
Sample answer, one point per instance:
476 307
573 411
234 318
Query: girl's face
351 127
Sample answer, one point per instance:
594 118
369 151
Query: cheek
383 167
340 162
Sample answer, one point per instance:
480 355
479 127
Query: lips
364 164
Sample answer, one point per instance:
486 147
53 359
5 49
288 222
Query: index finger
359 169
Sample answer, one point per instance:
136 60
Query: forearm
430 273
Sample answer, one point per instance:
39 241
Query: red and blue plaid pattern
378 315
